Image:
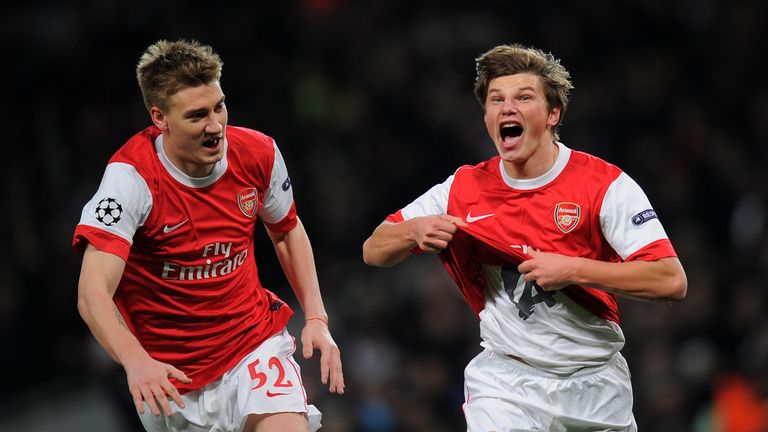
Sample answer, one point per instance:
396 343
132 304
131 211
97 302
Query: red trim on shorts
296 370
466 402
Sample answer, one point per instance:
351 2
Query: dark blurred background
371 104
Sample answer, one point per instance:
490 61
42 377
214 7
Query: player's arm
294 251
147 378
391 243
663 279
627 222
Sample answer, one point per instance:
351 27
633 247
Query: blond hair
167 67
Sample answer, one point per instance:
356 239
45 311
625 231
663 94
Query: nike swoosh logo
471 218
167 229
270 394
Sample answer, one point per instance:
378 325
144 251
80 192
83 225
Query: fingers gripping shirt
582 206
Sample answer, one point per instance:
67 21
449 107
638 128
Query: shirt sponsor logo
643 217
567 216
525 248
248 201
220 260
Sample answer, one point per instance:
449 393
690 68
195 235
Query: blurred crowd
371 104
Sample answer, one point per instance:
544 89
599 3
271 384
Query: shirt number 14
530 295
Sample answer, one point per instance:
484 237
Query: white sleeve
278 198
432 202
121 204
627 219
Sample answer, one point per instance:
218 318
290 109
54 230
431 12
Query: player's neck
187 164
538 164
192 169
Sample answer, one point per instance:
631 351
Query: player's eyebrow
201 111
195 112
519 90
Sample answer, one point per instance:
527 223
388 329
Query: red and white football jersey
583 206
190 291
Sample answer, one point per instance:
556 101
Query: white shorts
504 395
266 381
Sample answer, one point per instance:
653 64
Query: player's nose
213 125
508 107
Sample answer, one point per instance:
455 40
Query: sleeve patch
643 217
108 211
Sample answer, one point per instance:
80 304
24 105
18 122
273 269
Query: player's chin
211 154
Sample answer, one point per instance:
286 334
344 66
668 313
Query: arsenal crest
248 200
567 216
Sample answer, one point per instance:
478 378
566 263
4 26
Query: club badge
567 216
248 201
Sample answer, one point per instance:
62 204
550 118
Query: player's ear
158 118
554 117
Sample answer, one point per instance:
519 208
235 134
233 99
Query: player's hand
317 336
148 382
550 271
433 233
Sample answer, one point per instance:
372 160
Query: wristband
306 320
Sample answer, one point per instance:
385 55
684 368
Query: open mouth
510 130
211 142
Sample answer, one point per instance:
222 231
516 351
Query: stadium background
371 104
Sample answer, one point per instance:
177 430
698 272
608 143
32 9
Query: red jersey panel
582 207
190 291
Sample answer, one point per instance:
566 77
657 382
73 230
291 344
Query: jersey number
513 280
261 377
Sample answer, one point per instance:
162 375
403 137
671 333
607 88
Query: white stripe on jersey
432 202
278 198
122 183
623 200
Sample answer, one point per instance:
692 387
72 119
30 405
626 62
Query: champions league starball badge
109 211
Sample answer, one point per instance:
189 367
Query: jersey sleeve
279 210
630 225
432 202
119 207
